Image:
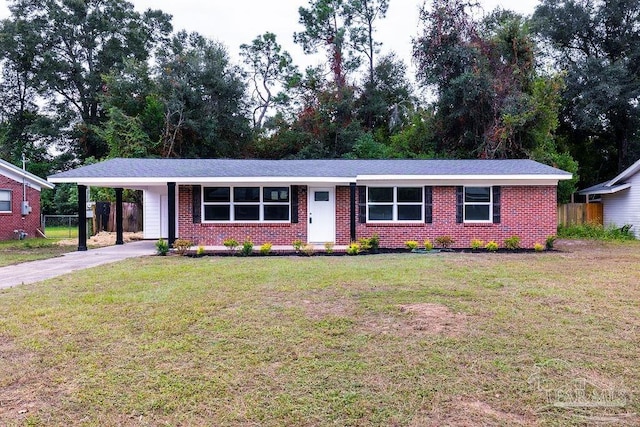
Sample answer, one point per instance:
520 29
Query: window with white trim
478 204
5 200
395 204
246 204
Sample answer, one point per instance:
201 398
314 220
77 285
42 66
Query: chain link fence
60 226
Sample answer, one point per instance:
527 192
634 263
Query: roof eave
609 189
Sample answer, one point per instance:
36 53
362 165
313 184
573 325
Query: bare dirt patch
23 390
421 318
472 412
103 238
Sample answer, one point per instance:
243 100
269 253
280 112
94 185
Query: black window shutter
196 198
428 204
362 204
294 204
459 204
496 205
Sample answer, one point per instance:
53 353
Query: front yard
381 340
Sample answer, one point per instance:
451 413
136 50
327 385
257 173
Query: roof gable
13 172
614 185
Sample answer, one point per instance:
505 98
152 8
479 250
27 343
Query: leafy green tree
203 98
597 44
74 44
361 16
270 70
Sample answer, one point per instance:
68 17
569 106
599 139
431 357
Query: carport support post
171 186
82 217
119 237
352 216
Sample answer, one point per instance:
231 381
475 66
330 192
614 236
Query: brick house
316 201
19 201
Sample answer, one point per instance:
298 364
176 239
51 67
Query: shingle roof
227 168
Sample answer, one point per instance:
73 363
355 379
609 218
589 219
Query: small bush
308 249
428 245
538 247
444 241
265 248
200 250
247 247
476 244
491 246
512 242
182 246
162 246
328 247
353 248
231 244
411 245
297 245
550 241
374 242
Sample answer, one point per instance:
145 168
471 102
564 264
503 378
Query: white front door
322 215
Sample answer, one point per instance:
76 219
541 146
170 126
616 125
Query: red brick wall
14 220
528 212
215 234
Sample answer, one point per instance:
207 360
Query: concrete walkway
37 271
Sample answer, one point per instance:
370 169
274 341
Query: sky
240 21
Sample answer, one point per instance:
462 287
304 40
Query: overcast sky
239 21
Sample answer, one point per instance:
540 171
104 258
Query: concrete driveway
37 271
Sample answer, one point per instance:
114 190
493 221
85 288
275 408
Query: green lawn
17 251
381 340
61 232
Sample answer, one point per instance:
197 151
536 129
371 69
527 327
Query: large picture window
5 200
403 204
246 204
477 204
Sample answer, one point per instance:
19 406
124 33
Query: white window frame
10 193
395 205
231 203
465 204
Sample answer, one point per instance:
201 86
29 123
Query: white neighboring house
620 198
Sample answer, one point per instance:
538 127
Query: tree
76 42
325 26
361 16
269 68
597 44
203 98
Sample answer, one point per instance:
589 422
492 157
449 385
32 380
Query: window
246 204
394 204
477 204
5 200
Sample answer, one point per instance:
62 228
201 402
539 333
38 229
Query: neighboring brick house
19 202
316 201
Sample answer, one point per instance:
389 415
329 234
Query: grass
595 232
404 340
17 251
61 232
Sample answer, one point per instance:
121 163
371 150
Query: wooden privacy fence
104 217
580 213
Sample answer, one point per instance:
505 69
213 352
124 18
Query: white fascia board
630 171
18 175
441 178
449 180
606 190
129 182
